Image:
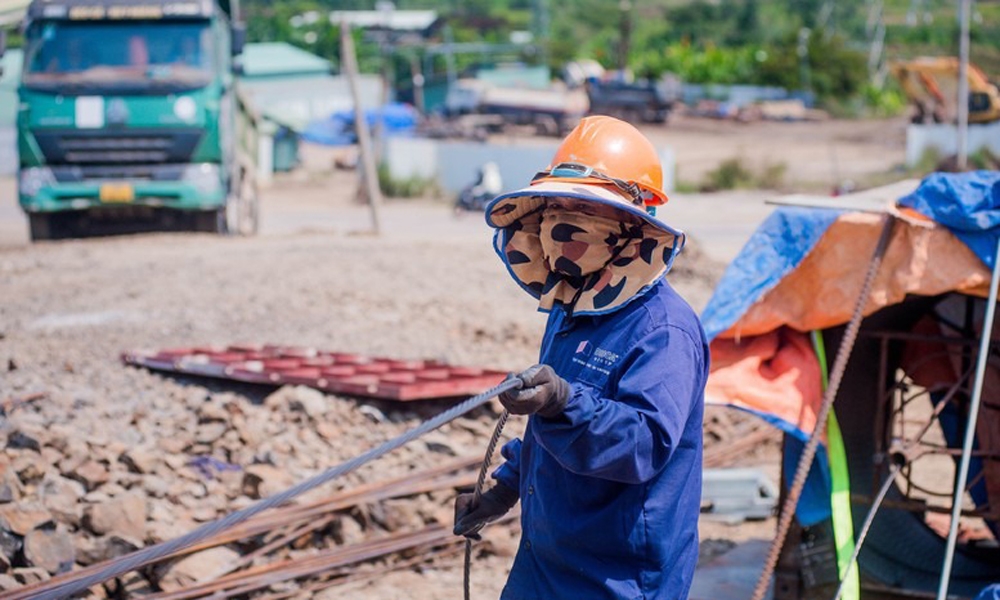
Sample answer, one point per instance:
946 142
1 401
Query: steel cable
869 518
130 562
809 453
970 428
477 494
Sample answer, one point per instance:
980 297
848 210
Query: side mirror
238 33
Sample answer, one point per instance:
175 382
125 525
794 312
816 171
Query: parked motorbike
470 200
475 196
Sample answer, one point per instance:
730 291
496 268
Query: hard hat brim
516 218
507 208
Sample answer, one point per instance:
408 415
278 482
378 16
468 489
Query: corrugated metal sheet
270 59
336 372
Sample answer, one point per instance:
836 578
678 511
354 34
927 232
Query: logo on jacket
605 357
595 359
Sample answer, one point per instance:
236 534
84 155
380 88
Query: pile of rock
72 495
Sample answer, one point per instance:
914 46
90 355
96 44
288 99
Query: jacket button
531 489
527 545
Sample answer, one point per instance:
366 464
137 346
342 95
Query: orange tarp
765 363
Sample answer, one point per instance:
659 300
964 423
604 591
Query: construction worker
609 471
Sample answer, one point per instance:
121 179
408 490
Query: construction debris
733 438
338 372
95 432
736 495
71 497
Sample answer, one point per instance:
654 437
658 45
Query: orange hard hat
602 148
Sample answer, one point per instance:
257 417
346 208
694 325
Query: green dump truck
130 113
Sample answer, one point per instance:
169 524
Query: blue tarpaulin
968 204
338 128
774 250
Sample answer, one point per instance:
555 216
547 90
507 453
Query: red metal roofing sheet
335 372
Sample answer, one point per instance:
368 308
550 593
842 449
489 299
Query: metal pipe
478 494
970 429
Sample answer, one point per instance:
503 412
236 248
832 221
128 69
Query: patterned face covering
574 244
588 263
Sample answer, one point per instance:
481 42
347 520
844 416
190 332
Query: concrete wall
943 139
297 101
453 164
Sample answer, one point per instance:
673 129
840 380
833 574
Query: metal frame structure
895 447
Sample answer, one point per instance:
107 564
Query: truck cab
129 111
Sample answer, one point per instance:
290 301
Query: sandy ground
428 286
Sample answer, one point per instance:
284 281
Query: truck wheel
52 226
210 221
243 210
40 227
250 204
654 115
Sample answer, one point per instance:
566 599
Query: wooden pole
349 62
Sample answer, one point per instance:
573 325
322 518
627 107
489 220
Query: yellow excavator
931 84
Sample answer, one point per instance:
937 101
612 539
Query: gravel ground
429 287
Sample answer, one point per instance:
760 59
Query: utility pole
417 76
540 28
625 43
875 29
962 139
802 50
349 62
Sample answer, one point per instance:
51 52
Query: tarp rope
836 375
83 580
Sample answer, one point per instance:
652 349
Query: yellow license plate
117 192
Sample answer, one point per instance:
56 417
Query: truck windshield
119 55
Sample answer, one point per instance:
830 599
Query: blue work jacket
610 489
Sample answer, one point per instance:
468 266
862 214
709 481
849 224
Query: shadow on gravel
254 392
378 409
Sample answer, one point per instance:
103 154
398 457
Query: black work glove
543 392
493 504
